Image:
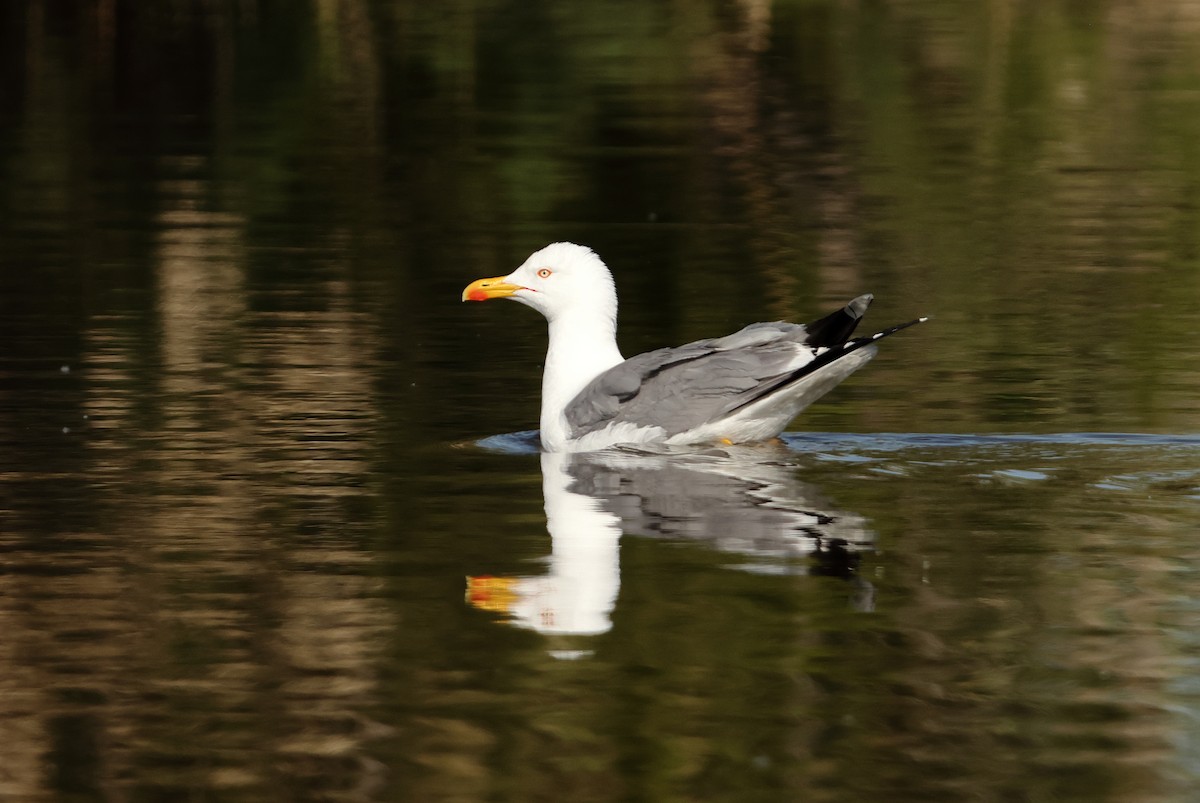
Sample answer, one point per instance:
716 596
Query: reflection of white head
577 595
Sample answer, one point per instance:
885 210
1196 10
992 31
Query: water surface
272 523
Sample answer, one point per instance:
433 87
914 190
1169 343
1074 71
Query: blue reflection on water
891 441
526 442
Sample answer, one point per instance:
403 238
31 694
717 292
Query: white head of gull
743 387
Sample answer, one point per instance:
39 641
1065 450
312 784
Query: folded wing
682 388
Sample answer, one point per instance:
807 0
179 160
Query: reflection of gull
740 500
580 589
743 500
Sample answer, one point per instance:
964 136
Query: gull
740 388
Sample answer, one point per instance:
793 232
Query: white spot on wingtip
923 318
877 335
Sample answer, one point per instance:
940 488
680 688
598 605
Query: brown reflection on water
1046 629
783 167
205 616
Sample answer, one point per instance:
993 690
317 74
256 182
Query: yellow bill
485 289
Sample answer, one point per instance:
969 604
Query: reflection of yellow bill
494 594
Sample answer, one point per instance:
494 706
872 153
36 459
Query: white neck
582 346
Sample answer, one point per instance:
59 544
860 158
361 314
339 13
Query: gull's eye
544 273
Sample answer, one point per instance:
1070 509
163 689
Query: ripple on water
526 442
1015 475
852 447
893 441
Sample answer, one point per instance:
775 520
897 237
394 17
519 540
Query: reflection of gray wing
733 500
681 388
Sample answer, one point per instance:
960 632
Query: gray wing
680 388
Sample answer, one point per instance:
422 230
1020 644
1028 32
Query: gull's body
743 387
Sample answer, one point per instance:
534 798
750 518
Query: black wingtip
858 342
858 307
835 328
831 355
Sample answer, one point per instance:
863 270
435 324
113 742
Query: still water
273 525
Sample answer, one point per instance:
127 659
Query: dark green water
267 531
